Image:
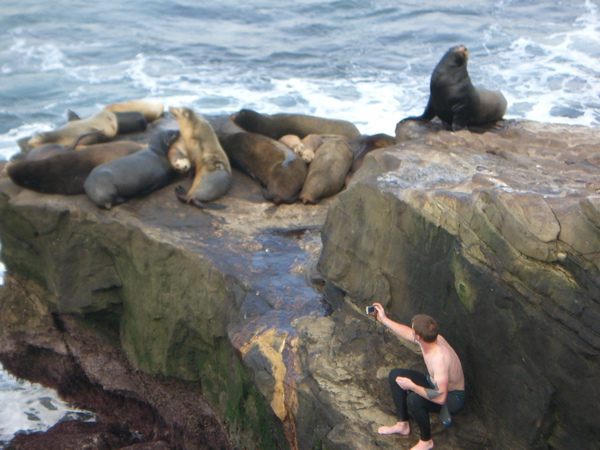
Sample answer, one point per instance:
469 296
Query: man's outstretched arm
405 332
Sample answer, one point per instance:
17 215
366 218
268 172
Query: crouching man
441 391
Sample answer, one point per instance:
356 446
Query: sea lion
147 170
455 100
212 177
150 109
361 146
127 121
103 121
304 148
66 172
101 126
47 150
327 172
178 156
277 125
279 170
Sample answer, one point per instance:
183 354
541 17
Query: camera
370 309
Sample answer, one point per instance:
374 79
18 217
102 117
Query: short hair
426 327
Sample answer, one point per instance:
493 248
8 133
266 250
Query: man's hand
379 312
405 383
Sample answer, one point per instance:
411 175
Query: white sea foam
30 406
8 141
46 55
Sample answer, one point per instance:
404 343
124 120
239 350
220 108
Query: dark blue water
364 61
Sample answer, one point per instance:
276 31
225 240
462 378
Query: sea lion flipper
459 117
182 197
181 193
72 116
203 205
427 115
99 134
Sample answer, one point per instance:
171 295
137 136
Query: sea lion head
39 138
180 112
247 118
456 57
451 70
178 156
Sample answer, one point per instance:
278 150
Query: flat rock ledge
245 327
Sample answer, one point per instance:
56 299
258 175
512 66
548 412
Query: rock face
494 233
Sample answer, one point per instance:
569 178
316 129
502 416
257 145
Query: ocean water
364 61
32 407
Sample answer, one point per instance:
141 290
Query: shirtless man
442 391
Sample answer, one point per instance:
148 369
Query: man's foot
423 445
402 428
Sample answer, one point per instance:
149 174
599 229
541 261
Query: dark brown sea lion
47 150
277 125
66 172
361 146
279 170
455 100
327 173
212 177
116 181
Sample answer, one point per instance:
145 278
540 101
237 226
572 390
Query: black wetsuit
418 406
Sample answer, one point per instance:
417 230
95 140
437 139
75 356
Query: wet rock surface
259 309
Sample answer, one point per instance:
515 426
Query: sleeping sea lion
147 170
150 109
212 177
455 100
101 126
103 121
304 148
277 125
279 170
46 150
66 172
178 156
327 172
361 146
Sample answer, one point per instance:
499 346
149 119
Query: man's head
425 327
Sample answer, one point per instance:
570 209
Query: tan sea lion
178 156
304 148
327 172
101 126
277 125
455 100
212 177
66 172
138 174
312 142
151 109
103 121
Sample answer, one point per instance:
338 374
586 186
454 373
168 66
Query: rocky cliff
254 315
